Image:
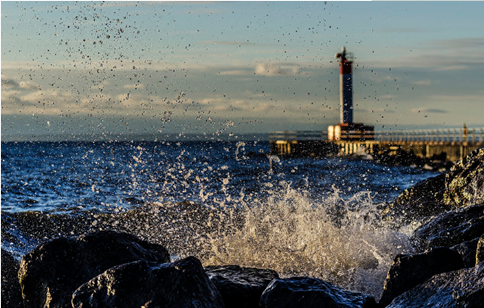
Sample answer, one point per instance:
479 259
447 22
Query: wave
341 240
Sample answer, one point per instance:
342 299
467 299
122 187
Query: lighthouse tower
345 86
346 129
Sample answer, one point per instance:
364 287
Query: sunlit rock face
461 288
462 186
51 272
143 284
480 251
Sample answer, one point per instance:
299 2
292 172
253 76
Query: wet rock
311 293
52 271
465 182
467 251
461 288
407 271
144 284
450 228
480 250
416 202
11 293
240 287
461 186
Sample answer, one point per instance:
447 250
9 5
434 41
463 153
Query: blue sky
236 67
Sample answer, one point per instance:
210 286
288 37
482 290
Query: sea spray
342 241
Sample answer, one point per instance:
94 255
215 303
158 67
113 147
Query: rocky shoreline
118 269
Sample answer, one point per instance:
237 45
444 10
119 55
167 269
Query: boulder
145 284
407 271
461 186
11 293
450 228
240 287
456 289
464 183
480 250
54 270
311 293
467 251
419 201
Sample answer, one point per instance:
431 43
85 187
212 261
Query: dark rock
311 293
143 284
480 250
467 251
421 200
407 271
11 293
462 288
52 271
461 186
240 287
451 228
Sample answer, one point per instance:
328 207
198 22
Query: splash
338 240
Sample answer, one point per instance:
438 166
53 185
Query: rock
480 250
416 202
467 252
240 287
311 293
407 271
450 228
462 288
464 184
461 186
143 284
11 293
54 270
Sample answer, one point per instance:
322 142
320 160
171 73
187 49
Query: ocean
225 202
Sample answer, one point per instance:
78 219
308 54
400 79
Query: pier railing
434 135
422 135
298 135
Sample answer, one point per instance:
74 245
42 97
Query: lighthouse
345 86
346 129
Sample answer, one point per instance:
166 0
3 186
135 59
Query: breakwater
439 144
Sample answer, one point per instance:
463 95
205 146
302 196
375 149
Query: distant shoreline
136 137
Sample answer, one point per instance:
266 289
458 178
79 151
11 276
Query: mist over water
224 202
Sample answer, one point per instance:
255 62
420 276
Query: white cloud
270 69
134 86
426 82
236 73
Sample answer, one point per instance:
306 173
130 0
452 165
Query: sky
104 69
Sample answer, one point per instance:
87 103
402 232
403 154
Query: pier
442 144
350 138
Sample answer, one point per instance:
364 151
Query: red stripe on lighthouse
345 67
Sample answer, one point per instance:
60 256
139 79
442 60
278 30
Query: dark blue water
219 201
61 176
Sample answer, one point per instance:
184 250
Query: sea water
226 202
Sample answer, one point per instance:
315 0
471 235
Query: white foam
341 241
